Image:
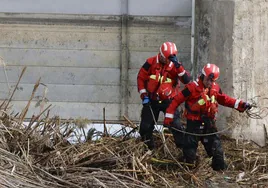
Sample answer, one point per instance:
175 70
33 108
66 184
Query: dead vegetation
40 155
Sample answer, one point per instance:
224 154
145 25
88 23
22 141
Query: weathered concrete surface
250 62
233 35
84 60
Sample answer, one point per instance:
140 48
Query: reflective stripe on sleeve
143 91
236 103
169 115
182 73
196 83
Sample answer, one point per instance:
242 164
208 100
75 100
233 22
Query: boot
149 141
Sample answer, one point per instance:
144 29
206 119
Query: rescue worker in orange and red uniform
156 73
201 99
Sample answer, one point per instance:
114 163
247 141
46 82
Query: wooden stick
132 125
105 132
134 166
21 74
25 110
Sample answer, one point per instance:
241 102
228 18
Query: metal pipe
124 59
192 39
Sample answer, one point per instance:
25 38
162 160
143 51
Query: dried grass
40 155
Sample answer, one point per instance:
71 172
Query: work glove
143 95
168 122
243 106
174 60
146 100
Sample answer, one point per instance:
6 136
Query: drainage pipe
193 72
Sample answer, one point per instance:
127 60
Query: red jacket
153 73
199 101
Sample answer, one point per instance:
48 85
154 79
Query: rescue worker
201 99
161 70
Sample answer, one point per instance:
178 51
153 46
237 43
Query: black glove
243 106
248 106
174 60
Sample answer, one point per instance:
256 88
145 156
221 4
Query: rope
257 113
162 132
207 134
250 114
194 134
167 149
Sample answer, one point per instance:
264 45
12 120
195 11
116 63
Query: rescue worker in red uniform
158 72
201 99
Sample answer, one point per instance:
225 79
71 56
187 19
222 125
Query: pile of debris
39 154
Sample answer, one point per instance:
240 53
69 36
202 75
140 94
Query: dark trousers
211 143
147 123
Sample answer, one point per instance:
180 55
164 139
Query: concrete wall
87 62
233 35
250 57
106 7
